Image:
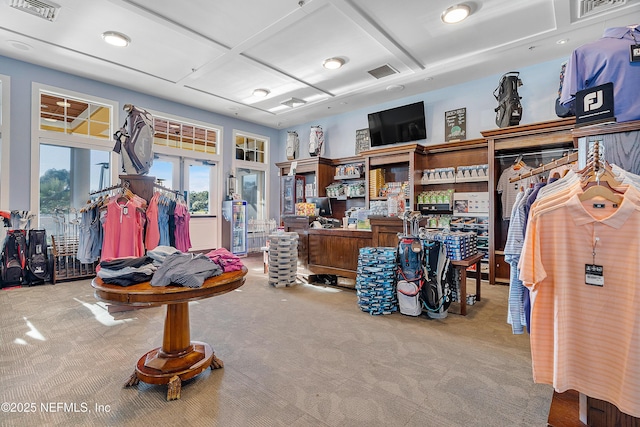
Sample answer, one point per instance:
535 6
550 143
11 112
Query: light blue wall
538 92
23 74
540 85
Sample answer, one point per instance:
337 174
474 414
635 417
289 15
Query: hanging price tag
594 275
635 53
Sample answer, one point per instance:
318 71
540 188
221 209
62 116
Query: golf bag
436 289
410 264
134 142
316 141
410 275
14 260
37 257
293 144
509 111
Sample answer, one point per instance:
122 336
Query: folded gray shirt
185 269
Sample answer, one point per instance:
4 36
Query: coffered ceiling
213 54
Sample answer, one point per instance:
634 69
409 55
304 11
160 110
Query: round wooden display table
179 358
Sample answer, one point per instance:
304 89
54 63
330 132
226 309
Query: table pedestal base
158 367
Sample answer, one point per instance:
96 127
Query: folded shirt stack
185 269
225 259
127 271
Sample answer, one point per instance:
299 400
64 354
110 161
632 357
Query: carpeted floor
298 356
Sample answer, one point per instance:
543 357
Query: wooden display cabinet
315 170
400 163
513 141
342 204
456 154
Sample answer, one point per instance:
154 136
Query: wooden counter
327 250
336 250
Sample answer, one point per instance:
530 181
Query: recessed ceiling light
116 39
19 45
48 119
260 93
395 88
63 104
562 41
455 14
333 63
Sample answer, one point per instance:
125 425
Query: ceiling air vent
44 9
593 7
384 71
293 102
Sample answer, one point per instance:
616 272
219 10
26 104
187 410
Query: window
71 154
251 169
185 155
185 136
199 183
252 184
250 149
166 170
4 139
65 114
67 176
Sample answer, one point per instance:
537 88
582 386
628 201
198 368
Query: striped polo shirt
586 337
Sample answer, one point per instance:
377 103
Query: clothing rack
121 186
573 157
531 154
168 190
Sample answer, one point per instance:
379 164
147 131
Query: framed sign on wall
455 125
362 140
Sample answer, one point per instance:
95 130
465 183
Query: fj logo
593 101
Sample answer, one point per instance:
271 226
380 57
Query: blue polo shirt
603 61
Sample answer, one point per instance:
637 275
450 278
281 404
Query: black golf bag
14 259
509 111
436 289
37 257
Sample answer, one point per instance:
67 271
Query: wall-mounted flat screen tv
400 124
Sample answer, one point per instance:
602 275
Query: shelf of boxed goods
457 167
393 165
348 189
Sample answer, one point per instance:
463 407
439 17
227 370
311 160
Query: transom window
185 136
250 149
72 116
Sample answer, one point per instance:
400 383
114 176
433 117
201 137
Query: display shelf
472 179
348 197
354 176
435 208
438 181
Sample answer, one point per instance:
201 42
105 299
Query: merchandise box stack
376 182
283 259
376 280
461 245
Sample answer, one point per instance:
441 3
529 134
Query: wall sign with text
455 125
362 141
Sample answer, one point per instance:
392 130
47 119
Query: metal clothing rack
168 190
573 157
123 185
